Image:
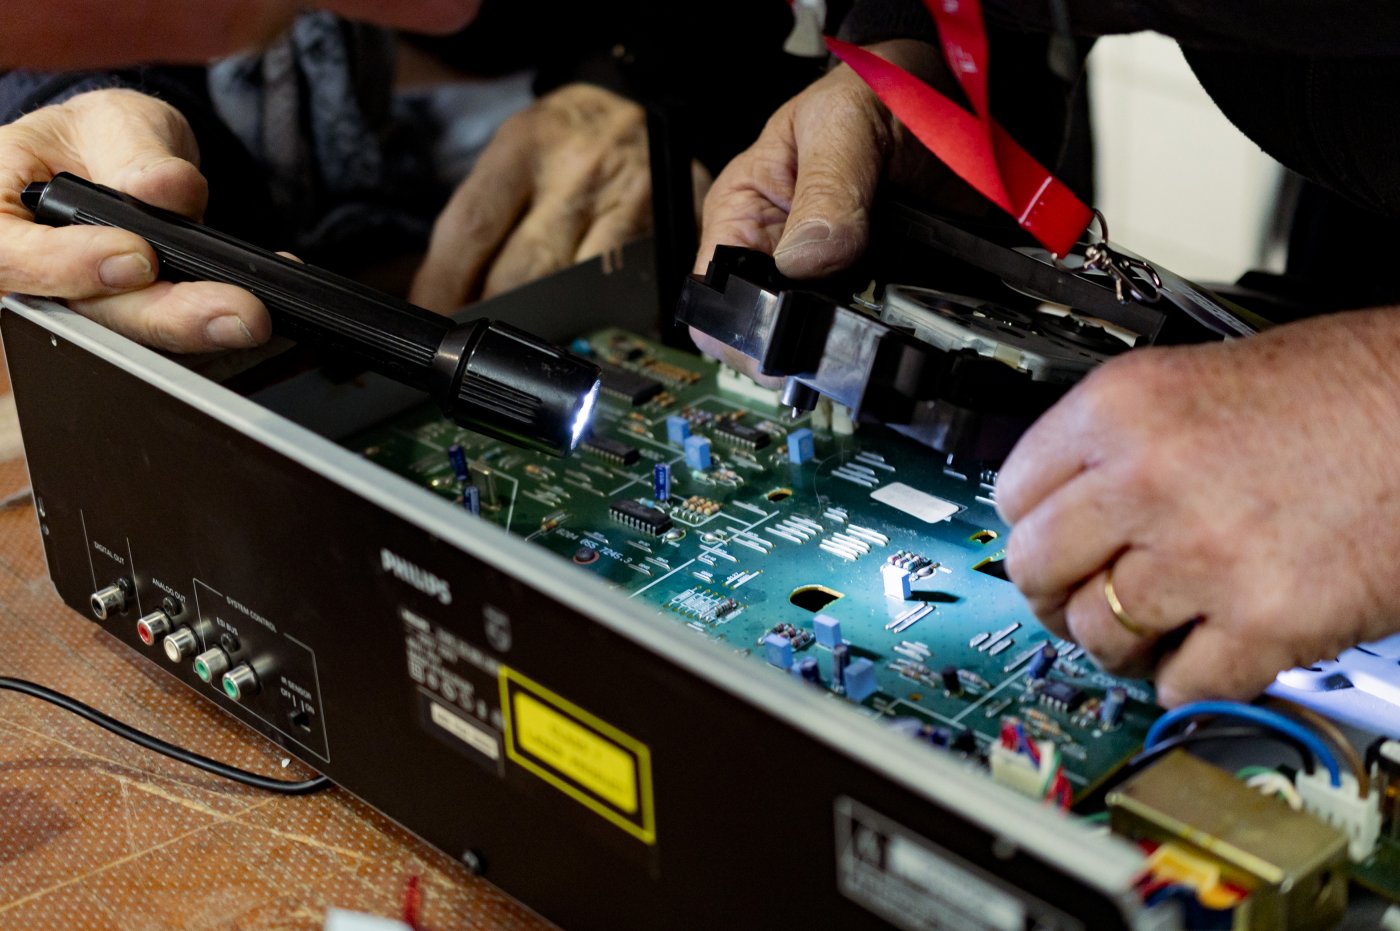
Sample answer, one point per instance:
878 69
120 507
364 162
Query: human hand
134 143
561 181
1251 487
803 191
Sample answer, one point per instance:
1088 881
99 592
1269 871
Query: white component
1016 771
841 422
916 503
1390 750
821 415
896 581
1340 806
737 383
809 22
1390 921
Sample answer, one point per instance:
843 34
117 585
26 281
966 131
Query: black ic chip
629 386
741 435
640 516
1061 695
612 450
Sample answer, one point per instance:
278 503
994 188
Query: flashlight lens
585 413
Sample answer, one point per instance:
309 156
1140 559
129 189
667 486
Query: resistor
1042 662
457 456
550 521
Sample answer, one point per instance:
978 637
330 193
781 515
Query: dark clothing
1315 83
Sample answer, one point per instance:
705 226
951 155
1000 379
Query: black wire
1202 734
1196 734
189 758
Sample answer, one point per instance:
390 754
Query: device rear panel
613 789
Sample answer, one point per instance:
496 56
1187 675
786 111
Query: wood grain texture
96 833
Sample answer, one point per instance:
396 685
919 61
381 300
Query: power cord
188 757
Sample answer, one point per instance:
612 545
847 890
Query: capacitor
807 670
840 659
661 482
1114 701
952 682
1042 662
677 430
458 457
697 453
471 499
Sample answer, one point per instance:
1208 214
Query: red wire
412 903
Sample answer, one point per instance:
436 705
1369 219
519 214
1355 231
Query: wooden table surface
98 833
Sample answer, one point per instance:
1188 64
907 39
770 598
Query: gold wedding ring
1116 606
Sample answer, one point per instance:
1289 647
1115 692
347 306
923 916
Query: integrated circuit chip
1061 695
612 450
738 434
629 386
640 516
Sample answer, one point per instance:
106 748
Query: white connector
741 385
1015 770
1340 806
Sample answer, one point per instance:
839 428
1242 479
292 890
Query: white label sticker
915 503
474 736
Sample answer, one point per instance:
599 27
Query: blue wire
1253 715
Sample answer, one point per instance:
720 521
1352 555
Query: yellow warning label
586 758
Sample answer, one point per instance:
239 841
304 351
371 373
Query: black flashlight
487 376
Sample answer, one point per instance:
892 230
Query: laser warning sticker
579 754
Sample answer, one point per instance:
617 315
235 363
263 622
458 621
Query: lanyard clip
1132 277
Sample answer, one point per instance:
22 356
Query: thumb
143 146
841 148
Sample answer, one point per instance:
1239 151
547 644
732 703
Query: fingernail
230 332
809 233
128 270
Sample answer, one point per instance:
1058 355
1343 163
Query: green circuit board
757 543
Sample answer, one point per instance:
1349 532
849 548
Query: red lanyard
973 145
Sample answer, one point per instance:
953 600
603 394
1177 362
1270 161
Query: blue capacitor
1042 662
697 453
800 446
661 482
777 649
840 659
1114 701
827 629
860 679
458 457
471 499
677 429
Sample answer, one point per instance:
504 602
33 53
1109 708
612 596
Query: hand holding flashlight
485 375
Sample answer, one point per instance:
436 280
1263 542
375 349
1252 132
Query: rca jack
180 644
210 665
240 682
110 600
153 626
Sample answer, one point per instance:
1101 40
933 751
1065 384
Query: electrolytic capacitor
807 670
661 482
1114 701
458 457
952 683
840 659
1042 662
471 499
